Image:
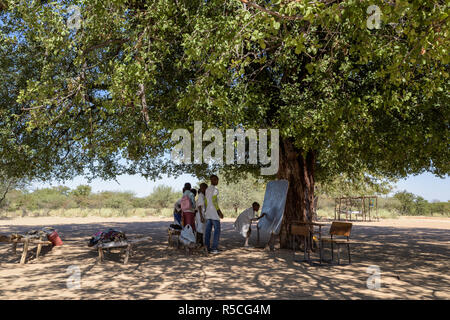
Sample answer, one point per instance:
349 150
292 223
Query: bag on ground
187 236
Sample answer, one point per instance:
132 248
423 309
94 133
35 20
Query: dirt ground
412 254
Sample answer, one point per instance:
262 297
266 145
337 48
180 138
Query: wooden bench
26 241
126 245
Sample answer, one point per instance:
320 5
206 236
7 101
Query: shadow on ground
413 263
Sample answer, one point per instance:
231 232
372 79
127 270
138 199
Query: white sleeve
201 200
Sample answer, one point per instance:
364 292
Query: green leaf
276 25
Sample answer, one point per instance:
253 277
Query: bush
47 198
440 208
234 197
163 197
141 202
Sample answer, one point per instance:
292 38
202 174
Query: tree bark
298 168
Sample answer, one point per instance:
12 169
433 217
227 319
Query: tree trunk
298 168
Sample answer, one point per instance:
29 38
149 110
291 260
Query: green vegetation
61 201
401 203
410 204
234 198
238 196
104 99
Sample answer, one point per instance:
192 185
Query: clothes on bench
111 235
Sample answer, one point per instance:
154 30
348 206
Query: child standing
200 215
188 206
212 215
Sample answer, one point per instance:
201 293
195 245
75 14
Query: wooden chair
302 231
339 229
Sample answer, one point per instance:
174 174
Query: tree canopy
105 98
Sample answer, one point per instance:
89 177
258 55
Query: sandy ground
412 254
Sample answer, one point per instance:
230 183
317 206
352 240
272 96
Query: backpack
186 205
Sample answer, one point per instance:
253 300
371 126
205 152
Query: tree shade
104 99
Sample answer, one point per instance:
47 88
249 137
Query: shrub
163 197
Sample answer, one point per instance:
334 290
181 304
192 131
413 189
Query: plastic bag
187 236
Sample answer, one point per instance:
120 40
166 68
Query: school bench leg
100 255
24 253
39 248
127 254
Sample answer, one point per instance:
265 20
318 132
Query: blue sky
426 185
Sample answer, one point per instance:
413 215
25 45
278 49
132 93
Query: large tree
347 98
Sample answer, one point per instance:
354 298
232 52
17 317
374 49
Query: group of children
190 211
204 214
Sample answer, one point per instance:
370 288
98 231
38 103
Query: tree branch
141 94
104 44
6 191
272 13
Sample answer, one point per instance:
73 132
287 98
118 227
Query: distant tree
442 208
63 190
140 202
421 206
81 194
240 194
9 184
356 185
82 191
163 197
406 200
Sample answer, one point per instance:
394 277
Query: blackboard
273 205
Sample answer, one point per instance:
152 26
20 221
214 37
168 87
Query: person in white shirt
243 223
213 214
200 214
